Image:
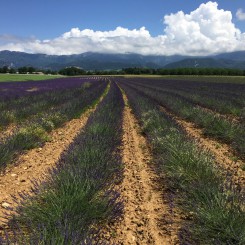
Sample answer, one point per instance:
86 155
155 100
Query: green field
25 77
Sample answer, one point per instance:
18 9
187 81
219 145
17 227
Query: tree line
25 70
75 71
185 71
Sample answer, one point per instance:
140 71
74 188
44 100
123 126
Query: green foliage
26 70
205 78
72 71
25 139
184 71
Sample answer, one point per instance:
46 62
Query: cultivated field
25 77
122 160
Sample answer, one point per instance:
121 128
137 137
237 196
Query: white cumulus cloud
240 14
206 30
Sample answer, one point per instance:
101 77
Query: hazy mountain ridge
99 61
208 63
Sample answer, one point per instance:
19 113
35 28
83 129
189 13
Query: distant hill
236 56
214 62
87 61
98 61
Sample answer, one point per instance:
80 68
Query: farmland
122 160
25 77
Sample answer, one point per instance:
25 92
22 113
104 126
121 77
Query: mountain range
99 61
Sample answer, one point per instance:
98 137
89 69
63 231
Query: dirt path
222 153
35 163
148 218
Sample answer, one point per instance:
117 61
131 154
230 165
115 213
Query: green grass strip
27 77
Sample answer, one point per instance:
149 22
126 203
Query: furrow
146 217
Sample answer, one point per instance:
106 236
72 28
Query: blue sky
26 20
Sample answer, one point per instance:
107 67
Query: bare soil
7 132
221 152
148 217
35 164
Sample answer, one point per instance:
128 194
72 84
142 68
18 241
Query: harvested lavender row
214 209
36 132
78 198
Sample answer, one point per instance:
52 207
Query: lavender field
16 89
122 160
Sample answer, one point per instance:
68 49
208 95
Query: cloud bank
206 30
240 14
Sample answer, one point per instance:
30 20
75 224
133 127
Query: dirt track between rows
147 218
36 163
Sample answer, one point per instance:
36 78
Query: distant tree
12 70
23 70
31 69
72 71
89 73
47 71
5 69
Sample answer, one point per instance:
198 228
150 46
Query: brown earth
7 132
35 163
148 217
221 152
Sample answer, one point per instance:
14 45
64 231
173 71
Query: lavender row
228 106
34 133
13 90
213 125
212 206
18 111
198 86
224 97
72 206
